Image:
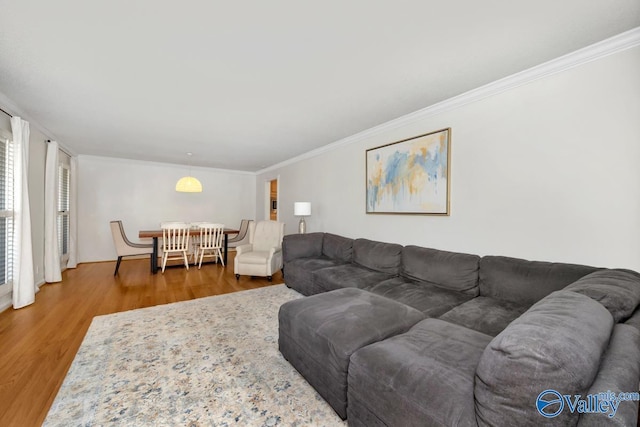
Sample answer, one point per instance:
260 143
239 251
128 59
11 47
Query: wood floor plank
38 342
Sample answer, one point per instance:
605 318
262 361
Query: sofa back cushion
302 246
378 256
526 282
555 345
337 247
617 290
450 270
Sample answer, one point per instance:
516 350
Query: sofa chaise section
424 377
318 334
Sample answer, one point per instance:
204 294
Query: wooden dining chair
211 242
175 240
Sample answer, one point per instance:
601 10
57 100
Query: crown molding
120 160
610 46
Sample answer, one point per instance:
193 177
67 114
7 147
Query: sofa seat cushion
526 282
298 273
424 377
430 299
617 290
452 270
318 334
556 345
487 315
346 276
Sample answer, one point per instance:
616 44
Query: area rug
207 362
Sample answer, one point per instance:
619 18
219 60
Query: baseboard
5 302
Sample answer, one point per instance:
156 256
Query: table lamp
302 209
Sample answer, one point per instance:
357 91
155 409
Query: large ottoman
318 334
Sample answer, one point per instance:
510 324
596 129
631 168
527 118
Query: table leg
226 248
154 256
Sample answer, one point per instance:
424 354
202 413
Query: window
63 212
6 211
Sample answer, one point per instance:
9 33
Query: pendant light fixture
189 184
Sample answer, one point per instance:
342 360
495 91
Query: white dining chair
195 240
175 240
211 242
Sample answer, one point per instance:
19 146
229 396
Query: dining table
155 234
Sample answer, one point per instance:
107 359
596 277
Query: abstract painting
410 176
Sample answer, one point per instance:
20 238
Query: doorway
273 200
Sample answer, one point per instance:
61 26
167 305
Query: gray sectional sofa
402 336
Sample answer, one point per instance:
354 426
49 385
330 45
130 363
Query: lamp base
302 226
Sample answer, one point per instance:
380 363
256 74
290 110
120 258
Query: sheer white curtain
51 253
73 211
24 286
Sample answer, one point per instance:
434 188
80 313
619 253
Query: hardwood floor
38 343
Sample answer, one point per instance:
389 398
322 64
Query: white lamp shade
302 208
189 184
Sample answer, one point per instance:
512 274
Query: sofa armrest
243 248
556 345
274 251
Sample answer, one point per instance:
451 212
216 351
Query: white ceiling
248 84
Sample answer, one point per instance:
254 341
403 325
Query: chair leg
186 259
201 256
164 260
269 278
117 265
220 256
237 277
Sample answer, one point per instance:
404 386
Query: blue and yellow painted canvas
410 176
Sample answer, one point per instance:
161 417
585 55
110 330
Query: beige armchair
124 247
263 255
242 238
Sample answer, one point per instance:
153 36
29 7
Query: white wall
545 171
142 194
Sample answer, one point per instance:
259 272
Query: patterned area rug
211 362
